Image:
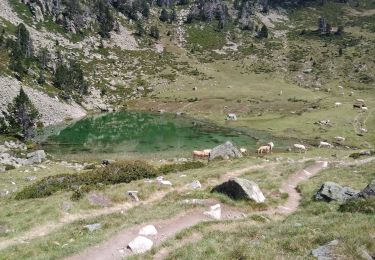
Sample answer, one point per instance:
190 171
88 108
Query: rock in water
367 192
225 151
238 188
325 252
140 245
215 212
148 230
332 191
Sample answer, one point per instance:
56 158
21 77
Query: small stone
214 212
196 185
30 178
93 227
133 195
148 230
140 245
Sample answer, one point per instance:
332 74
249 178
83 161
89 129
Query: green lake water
138 134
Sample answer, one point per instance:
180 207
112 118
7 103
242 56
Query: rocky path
115 248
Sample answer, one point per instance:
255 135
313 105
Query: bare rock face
238 188
331 191
140 245
36 157
226 151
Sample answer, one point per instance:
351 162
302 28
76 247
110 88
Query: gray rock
225 151
367 192
30 178
149 230
96 199
332 191
4 192
36 157
325 252
140 89
93 227
238 188
66 206
140 245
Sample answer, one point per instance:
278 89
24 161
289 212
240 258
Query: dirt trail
115 248
48 228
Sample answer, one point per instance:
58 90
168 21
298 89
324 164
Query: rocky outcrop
331 191
238 188
51 110
226 151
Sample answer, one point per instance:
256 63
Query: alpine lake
141 135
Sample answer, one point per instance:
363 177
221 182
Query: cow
325 144
300 147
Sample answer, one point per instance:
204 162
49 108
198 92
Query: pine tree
173 15
22 115
140 30
105 18
24 41
154 32
263 33
164 16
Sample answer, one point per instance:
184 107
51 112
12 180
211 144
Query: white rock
166 183
140 245
196 185
215 212
148 230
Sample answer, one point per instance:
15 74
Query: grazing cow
325 144
300 147
363 130
364 109
264 149
271 145
243 150
341 87
201 154
340 138
337 104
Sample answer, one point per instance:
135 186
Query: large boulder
238 188
140 245
225 151
367 192
330 191
36 157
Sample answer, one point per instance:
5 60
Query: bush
359 206
179 167
119 172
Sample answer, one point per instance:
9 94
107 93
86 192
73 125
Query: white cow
364 109
341 87
300 147
337 104
243 150
340 138
325 144
271 145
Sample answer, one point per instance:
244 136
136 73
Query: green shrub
118 172
179 167
359 206
9 167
